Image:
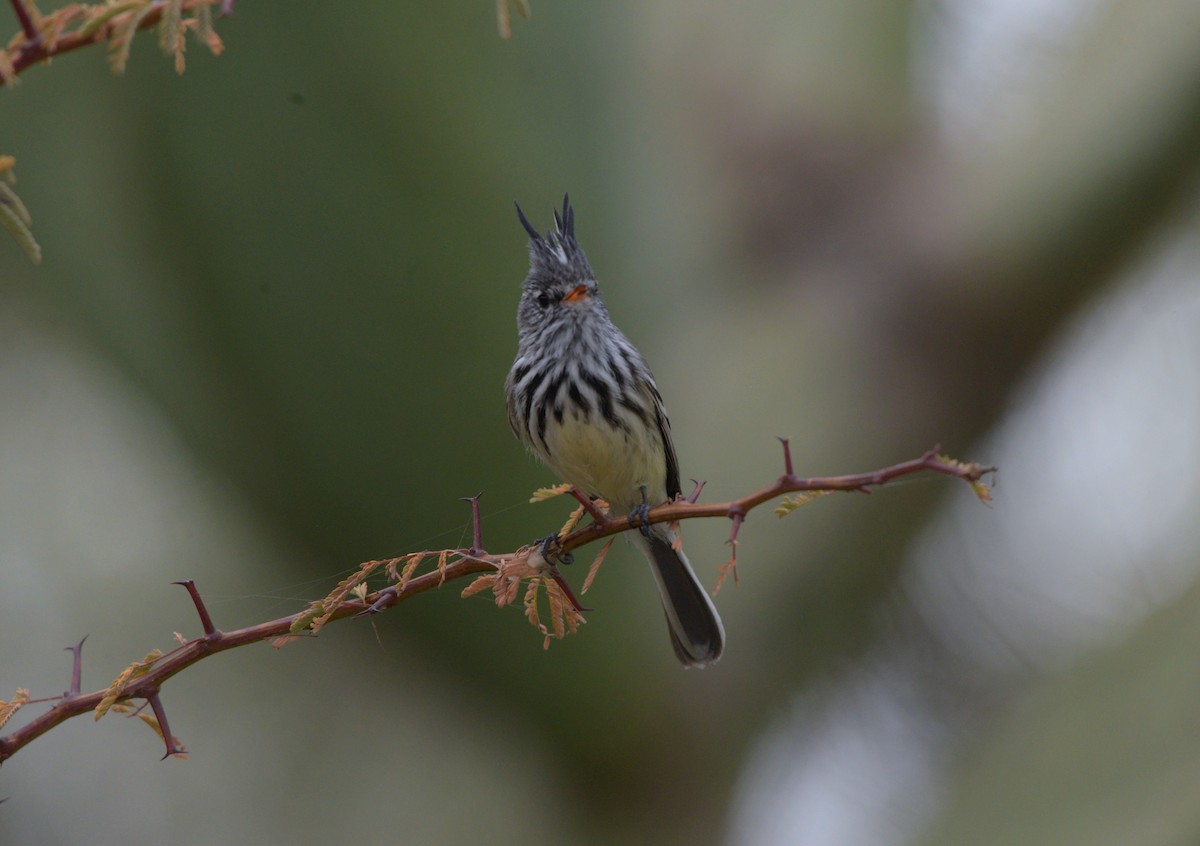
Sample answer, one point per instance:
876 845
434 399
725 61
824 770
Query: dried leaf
543 494
284 640
121 41
556 599
135 670
338 595
481 584
572 522
104 14
170 24
8 71
595 568
180 639
729 568
205 32
531 611
503 19
15 218
445 553
7 709
414 561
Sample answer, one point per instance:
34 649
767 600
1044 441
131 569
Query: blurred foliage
304 254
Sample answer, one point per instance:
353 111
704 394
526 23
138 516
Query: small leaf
981 490
793 501
135 670
305 618
7 709
543 494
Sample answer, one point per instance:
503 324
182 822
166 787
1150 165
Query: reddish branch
35 48
469 562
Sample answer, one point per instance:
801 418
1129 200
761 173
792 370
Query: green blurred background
269 337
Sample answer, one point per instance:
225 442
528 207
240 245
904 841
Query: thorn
476 524
76 667
566 589
160 714
384 601
695 495
210 631
787 456
589 506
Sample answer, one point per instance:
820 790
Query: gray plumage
583 399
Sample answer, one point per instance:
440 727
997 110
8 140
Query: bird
584 401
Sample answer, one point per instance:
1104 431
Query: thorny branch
503 573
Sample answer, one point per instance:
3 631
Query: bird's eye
543 301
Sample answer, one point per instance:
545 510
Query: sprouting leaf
981 490
543 494
793 501
338 595
135 670
305 618
7 709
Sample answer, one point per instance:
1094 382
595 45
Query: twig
35 49
467 563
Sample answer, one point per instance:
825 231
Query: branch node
210 631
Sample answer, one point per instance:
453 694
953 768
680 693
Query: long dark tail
695 626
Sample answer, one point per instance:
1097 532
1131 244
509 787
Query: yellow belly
609 462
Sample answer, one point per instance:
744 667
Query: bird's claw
639 516
551 551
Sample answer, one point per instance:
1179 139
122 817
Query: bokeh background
268 341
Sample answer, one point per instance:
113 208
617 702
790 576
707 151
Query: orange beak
579 293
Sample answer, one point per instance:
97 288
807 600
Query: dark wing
664 429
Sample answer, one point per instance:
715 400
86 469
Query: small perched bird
583 400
